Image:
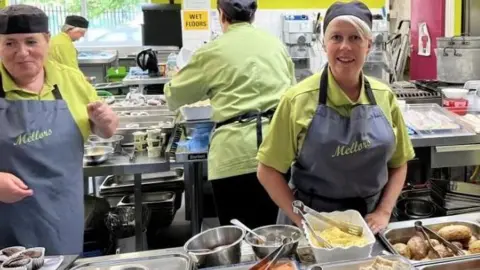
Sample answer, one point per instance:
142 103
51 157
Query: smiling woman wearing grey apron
343 132
46 112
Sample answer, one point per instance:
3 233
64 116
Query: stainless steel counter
445 140
121 165
247 252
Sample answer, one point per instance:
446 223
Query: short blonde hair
362 27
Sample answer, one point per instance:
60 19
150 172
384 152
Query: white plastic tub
196 112
323 255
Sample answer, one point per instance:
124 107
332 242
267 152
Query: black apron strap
56 93
247 117
2 92
322 99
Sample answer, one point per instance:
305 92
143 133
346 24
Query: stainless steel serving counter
248 255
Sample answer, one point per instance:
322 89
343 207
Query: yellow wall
3 3
458 18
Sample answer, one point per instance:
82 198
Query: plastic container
154 134
455 93
116 74
153 143
171 64
154 152
323 255
139 136
191 113
140 146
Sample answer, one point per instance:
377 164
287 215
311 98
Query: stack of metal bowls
216 247
274 235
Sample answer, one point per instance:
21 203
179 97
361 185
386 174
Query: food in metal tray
430 120
280 266
385 264
338 238
417 248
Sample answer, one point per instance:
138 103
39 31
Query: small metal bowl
97 154
113 141
216 247
278 232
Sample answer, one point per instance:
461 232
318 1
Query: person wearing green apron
243 73
62 48
343 132
47 110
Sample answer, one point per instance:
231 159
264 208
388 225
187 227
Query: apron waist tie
247 117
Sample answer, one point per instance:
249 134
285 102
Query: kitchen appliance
147 61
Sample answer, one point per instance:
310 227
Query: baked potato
434 242
442 250
474 247
418 249
403 250
455 232
457 244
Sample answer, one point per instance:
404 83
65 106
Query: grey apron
343 162
43 147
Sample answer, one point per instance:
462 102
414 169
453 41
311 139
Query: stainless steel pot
458 65
216 247
460 42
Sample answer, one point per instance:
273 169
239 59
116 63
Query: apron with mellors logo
343 162
43 147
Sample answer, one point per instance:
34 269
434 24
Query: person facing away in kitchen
243 73
62 48
343 131
47 110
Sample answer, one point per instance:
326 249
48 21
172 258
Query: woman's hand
378 220
12 189
104 119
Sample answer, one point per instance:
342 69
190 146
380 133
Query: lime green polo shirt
73 86
63 51
238 76
297 107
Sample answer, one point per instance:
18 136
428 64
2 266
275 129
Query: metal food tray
456 129
125 184
468 264
248 266
149 198
168 121
355 265
175 261
399 233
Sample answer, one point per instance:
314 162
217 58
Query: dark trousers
244 198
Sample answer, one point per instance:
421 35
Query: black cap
3 21
353 8
238 10
77 21
23 19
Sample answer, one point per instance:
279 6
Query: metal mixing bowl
204 248
97 154
274 235
113 141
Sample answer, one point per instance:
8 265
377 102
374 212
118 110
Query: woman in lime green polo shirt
47 110
243 72
62 48
343 132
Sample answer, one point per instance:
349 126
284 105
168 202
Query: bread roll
434 242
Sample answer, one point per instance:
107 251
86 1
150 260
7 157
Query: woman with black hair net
243 73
